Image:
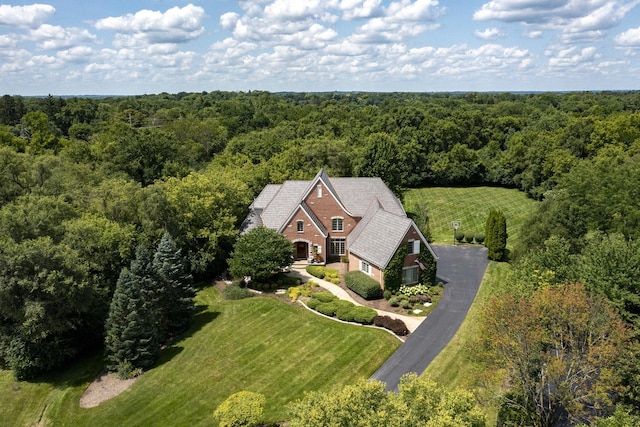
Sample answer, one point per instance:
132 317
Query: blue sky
65 47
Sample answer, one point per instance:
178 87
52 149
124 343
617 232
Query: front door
302 250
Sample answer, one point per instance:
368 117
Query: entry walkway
411 322
461 268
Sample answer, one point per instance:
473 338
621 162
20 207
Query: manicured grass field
471 207
258 344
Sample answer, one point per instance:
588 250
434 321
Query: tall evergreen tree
177 300
496 235
131 339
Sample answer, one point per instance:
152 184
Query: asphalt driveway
461 268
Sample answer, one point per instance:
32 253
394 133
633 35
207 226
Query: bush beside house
363 285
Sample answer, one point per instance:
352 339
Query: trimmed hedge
364 315
316 271
327 308
345 313
396 326
313 303
363 285
324 296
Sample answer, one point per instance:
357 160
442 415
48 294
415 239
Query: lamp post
455 225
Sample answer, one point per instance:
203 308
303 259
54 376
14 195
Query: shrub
363 285
459 236
285 281
406 304
364 315
335 280
387 294
316 271
324 296
327 308
410 291
479 238
420 299
397 326
394 302
244 408
294 293
313 303
468 237
345 313
235 292
331 273
344 259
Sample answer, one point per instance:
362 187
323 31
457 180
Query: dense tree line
86 181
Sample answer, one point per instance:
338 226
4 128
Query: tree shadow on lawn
200 319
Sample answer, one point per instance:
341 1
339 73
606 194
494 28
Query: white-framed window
337 246
300 225
365 267
337 223
410 275
319 190
413 247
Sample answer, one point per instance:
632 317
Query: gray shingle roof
356 195
283 202
265 196
379 237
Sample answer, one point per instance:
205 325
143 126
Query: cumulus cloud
25 16
573 57
55 37
359 9
489 33
578 20
628 39
176 25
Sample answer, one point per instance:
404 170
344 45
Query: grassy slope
471 207
259 344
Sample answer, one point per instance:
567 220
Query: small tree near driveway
259 254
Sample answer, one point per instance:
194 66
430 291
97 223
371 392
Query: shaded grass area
455 366
257 344
471 207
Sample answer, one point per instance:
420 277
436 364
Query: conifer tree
496 235
177 304
131 339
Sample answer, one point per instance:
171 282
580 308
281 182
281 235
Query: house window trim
413 247
319 191
343 246
368 271
300 226
341 222
417 275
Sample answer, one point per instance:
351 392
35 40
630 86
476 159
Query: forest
84 182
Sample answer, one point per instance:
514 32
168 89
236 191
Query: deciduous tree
260 253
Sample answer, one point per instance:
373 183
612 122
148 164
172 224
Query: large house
328 219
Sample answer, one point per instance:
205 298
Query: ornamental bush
479 238
468 237
327 308
244 408
313 303
396 326
324 296
459 236
316 271
345 313
411 291
364 315
363 285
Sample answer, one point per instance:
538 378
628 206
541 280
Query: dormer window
337 224
319 189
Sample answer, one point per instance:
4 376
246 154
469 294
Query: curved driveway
461 268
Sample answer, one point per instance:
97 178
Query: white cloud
78 54
296 10
577 20
358 9
55 37
628 39
491 33
25 16
176 25
408 10
573 58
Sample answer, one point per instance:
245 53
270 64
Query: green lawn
471 207
258 344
